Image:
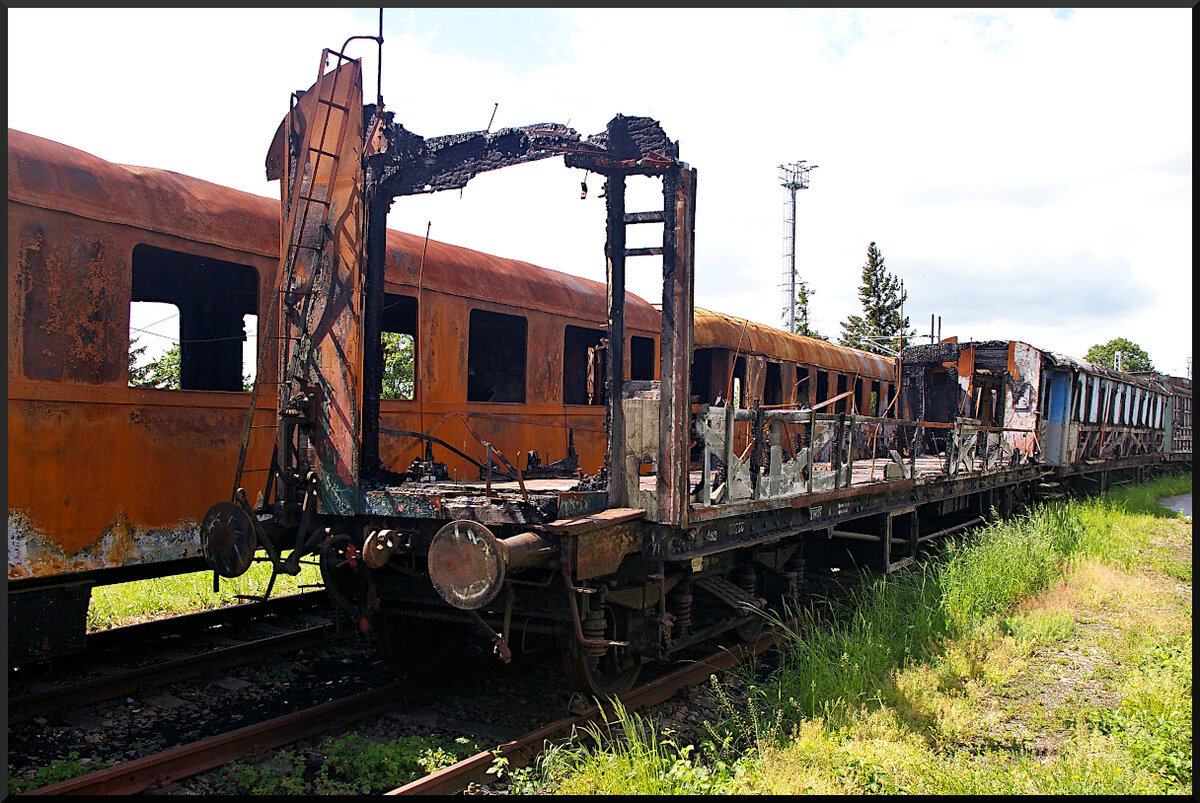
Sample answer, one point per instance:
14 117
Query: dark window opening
584 365
496 358
773 384
803 386
822 387
641 358
860 403
702 362
739 382
216 301
398 337
873 407
843 405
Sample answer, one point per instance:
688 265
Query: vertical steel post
679 226
614 380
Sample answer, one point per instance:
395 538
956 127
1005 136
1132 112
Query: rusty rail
93 690
520 752
160 769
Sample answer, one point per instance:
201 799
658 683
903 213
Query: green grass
343 765
128 603
627 755
63 770
1050 654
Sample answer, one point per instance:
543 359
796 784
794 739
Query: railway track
504 708
106 687
150 654
163 771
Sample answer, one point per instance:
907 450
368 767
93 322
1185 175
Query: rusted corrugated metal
717 329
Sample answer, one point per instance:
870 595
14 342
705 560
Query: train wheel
599 671
419 648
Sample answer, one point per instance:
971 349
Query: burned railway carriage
108 482
503 353
1091 425
562 459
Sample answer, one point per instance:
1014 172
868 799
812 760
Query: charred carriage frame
620 567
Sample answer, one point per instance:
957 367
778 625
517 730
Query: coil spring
680 606
745 578
593 626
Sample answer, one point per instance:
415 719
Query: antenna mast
792 177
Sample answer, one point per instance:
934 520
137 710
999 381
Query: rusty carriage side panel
103 476
444 286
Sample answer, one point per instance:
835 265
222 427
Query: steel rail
163 768
93 690
520 752
202 620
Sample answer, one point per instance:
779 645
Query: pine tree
879 328
803 325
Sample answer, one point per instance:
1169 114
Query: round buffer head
467 564
227 539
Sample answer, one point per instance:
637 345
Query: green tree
803 324
879 328
1133 358
161 373
398 365
137 373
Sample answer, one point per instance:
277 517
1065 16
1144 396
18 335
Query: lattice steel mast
792 177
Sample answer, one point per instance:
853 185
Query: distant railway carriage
1084 421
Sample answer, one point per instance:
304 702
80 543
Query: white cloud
987 152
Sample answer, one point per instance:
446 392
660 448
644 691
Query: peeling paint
34 553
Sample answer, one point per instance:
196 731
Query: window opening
215 321
773 384
398 337
803 386
496 358
584 365
739 382
641 358
702 362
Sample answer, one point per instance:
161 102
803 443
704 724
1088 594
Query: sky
1026 173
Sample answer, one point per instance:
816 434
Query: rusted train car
1089 425
563 460
108 482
